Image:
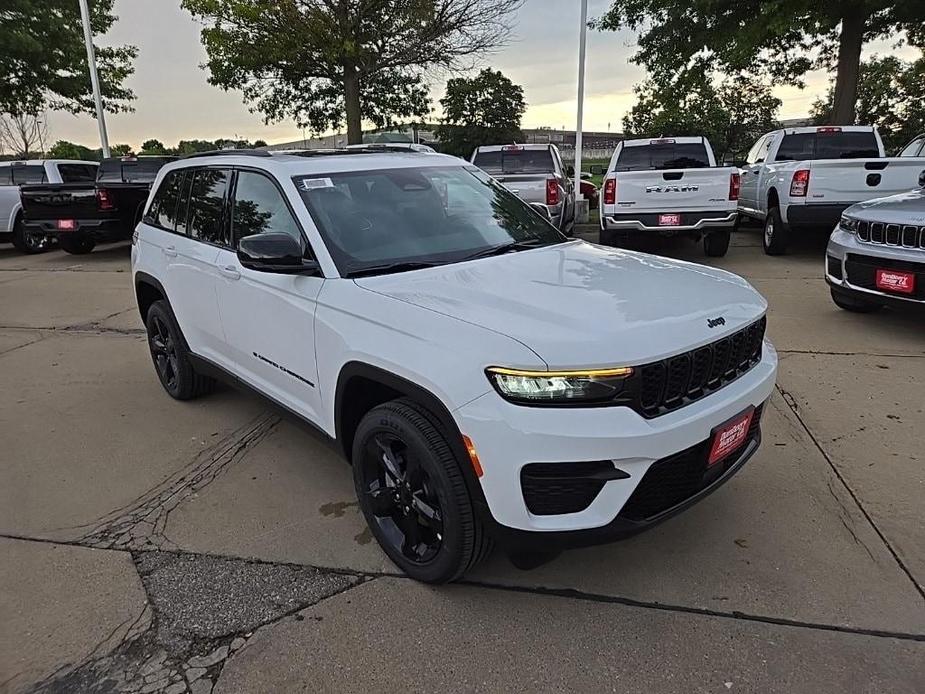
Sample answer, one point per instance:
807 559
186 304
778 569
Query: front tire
25 242
170 356
411 491
856 304
716 243
776 235
77 245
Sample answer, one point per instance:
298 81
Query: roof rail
229 152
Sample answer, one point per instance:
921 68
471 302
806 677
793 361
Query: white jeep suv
489 379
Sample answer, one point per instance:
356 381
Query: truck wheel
411 491
776 236
716 243
76 245
850 302
26 242
170 356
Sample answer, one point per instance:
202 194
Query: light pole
94 78
581 96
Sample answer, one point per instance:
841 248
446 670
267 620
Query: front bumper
850 264
509 437
99 229
648 222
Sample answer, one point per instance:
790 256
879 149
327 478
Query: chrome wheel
768 231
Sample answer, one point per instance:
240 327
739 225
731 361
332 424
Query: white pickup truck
669 186
16 173
804 178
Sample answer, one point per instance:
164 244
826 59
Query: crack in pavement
203 609
792 404
141 523
851 354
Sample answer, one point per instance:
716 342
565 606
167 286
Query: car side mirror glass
274 252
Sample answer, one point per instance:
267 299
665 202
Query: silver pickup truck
16 173
535 174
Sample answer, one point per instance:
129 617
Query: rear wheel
76 245
776 236
170 356
27 242
411 490
851 302
716 243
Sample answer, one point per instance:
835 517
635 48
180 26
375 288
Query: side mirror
597 170
542 209
274 252
570 171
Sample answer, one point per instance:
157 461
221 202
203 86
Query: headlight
849 224
558 387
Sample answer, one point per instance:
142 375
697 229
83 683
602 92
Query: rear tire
856 304
77 245
776 235
25 242
170 356
716 243
411 490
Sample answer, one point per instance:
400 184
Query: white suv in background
488 378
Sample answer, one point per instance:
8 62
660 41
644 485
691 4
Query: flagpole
581 97
94 78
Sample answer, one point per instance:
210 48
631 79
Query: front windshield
427 215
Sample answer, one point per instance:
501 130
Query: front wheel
76 245
716 243
26 242
411 490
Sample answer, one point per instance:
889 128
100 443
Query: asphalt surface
154 546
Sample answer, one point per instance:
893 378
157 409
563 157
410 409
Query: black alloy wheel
164 352
171 357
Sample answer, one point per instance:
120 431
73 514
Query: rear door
268 318
751 173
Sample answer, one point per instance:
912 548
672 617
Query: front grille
861 271
671 383
898 235
554 488
672 480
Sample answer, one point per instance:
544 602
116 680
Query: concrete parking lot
149 545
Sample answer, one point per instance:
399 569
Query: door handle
230 271
170 251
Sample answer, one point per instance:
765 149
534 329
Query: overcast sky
175 102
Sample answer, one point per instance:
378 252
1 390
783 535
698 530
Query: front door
268 318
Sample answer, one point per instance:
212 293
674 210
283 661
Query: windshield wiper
506 248
387 268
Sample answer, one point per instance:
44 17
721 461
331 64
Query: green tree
481 110
193 146
891 95
62 149
326 62
153 147
117 151
44 62
781 39
732 113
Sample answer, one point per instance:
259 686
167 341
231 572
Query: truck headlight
849 224
558 387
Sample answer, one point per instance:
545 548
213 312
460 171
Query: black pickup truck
80 215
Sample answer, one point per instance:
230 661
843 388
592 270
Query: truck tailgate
528 187
841 181
672 190
49 201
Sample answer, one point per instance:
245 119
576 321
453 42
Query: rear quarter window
164 207
663 156
6 178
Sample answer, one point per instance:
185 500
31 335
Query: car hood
579 304
904 208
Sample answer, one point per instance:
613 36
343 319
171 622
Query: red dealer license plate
669 220
895 281
727 437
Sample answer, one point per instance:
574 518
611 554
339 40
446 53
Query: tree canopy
731 113
891 95
481 110
44 61
327 62
780 39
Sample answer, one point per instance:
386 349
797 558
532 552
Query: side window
260 208
30 173
752 155
77 173
207 205
6 178
163 212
